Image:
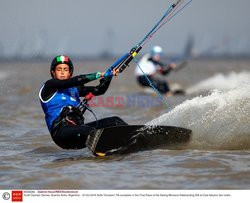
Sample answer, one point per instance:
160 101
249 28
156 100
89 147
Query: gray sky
89 27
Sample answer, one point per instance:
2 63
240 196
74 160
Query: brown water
217 156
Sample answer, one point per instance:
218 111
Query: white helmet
156 50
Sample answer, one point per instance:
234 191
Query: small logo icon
6 196
17 196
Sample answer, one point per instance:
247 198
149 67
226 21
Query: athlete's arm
164 70
95 90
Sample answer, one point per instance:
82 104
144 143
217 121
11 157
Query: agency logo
126 101
6 196
17 196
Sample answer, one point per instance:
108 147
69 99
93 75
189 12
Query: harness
73 116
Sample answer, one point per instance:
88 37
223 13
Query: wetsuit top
56 94
150 67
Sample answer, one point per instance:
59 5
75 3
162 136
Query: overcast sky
89 27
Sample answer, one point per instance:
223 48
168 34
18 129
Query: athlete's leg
142 80
72 137
161 85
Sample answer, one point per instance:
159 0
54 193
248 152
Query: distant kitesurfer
60 100
151 65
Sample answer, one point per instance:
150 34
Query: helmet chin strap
52 74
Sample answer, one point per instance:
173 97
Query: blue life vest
53 106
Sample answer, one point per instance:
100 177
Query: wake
220 120
221 81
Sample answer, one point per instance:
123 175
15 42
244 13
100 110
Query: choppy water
217 156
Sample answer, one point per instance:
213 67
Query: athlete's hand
172 65
109 73
115 71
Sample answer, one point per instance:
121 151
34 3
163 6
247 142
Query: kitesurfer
60 100
151 65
